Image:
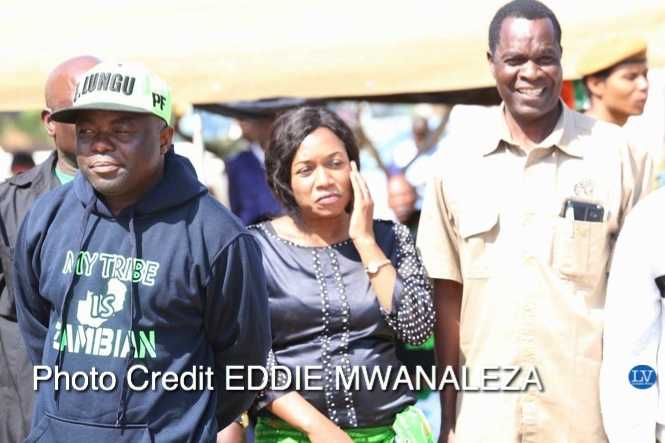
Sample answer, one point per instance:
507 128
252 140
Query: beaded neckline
270 231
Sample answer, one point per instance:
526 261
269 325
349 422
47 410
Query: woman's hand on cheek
361 229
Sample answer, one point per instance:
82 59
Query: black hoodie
173 283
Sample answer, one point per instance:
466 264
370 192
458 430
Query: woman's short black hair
288 132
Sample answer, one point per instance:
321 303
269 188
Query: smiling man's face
526 65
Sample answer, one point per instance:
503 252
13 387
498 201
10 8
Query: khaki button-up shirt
533 281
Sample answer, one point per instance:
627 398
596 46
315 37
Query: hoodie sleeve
32 310
237 323
632 332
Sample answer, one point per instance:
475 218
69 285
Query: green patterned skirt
410 426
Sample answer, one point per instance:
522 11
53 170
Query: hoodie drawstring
64 307
133 241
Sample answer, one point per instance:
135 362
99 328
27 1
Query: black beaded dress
325 315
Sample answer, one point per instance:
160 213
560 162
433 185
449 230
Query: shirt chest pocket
581 249
478 227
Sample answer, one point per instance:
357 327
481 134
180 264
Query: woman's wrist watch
373 267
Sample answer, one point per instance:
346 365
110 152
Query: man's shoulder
217 220
242 158
53 199
18 193
596 133
58 202
210 206
603 143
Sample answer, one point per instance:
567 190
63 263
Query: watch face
372 268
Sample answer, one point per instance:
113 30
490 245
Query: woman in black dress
343 289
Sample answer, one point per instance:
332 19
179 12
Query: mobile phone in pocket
583 211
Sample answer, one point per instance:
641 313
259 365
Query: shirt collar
560 137
258 152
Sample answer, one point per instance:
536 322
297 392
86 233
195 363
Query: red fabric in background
568 93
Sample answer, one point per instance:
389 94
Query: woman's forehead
321 142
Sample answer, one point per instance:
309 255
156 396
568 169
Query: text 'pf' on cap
118 87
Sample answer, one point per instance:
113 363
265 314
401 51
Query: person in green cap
135 289
16 196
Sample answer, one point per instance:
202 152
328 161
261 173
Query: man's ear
165 140
490 62
596 85
48 123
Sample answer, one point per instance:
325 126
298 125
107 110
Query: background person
614 72
417 159
249 195
22 162
16 197
402 199
633 332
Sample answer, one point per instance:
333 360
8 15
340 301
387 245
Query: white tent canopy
210 50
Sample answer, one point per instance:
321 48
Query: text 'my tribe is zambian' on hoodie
173 282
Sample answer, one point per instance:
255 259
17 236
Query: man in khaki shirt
517 284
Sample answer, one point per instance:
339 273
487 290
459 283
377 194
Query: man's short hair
529 9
